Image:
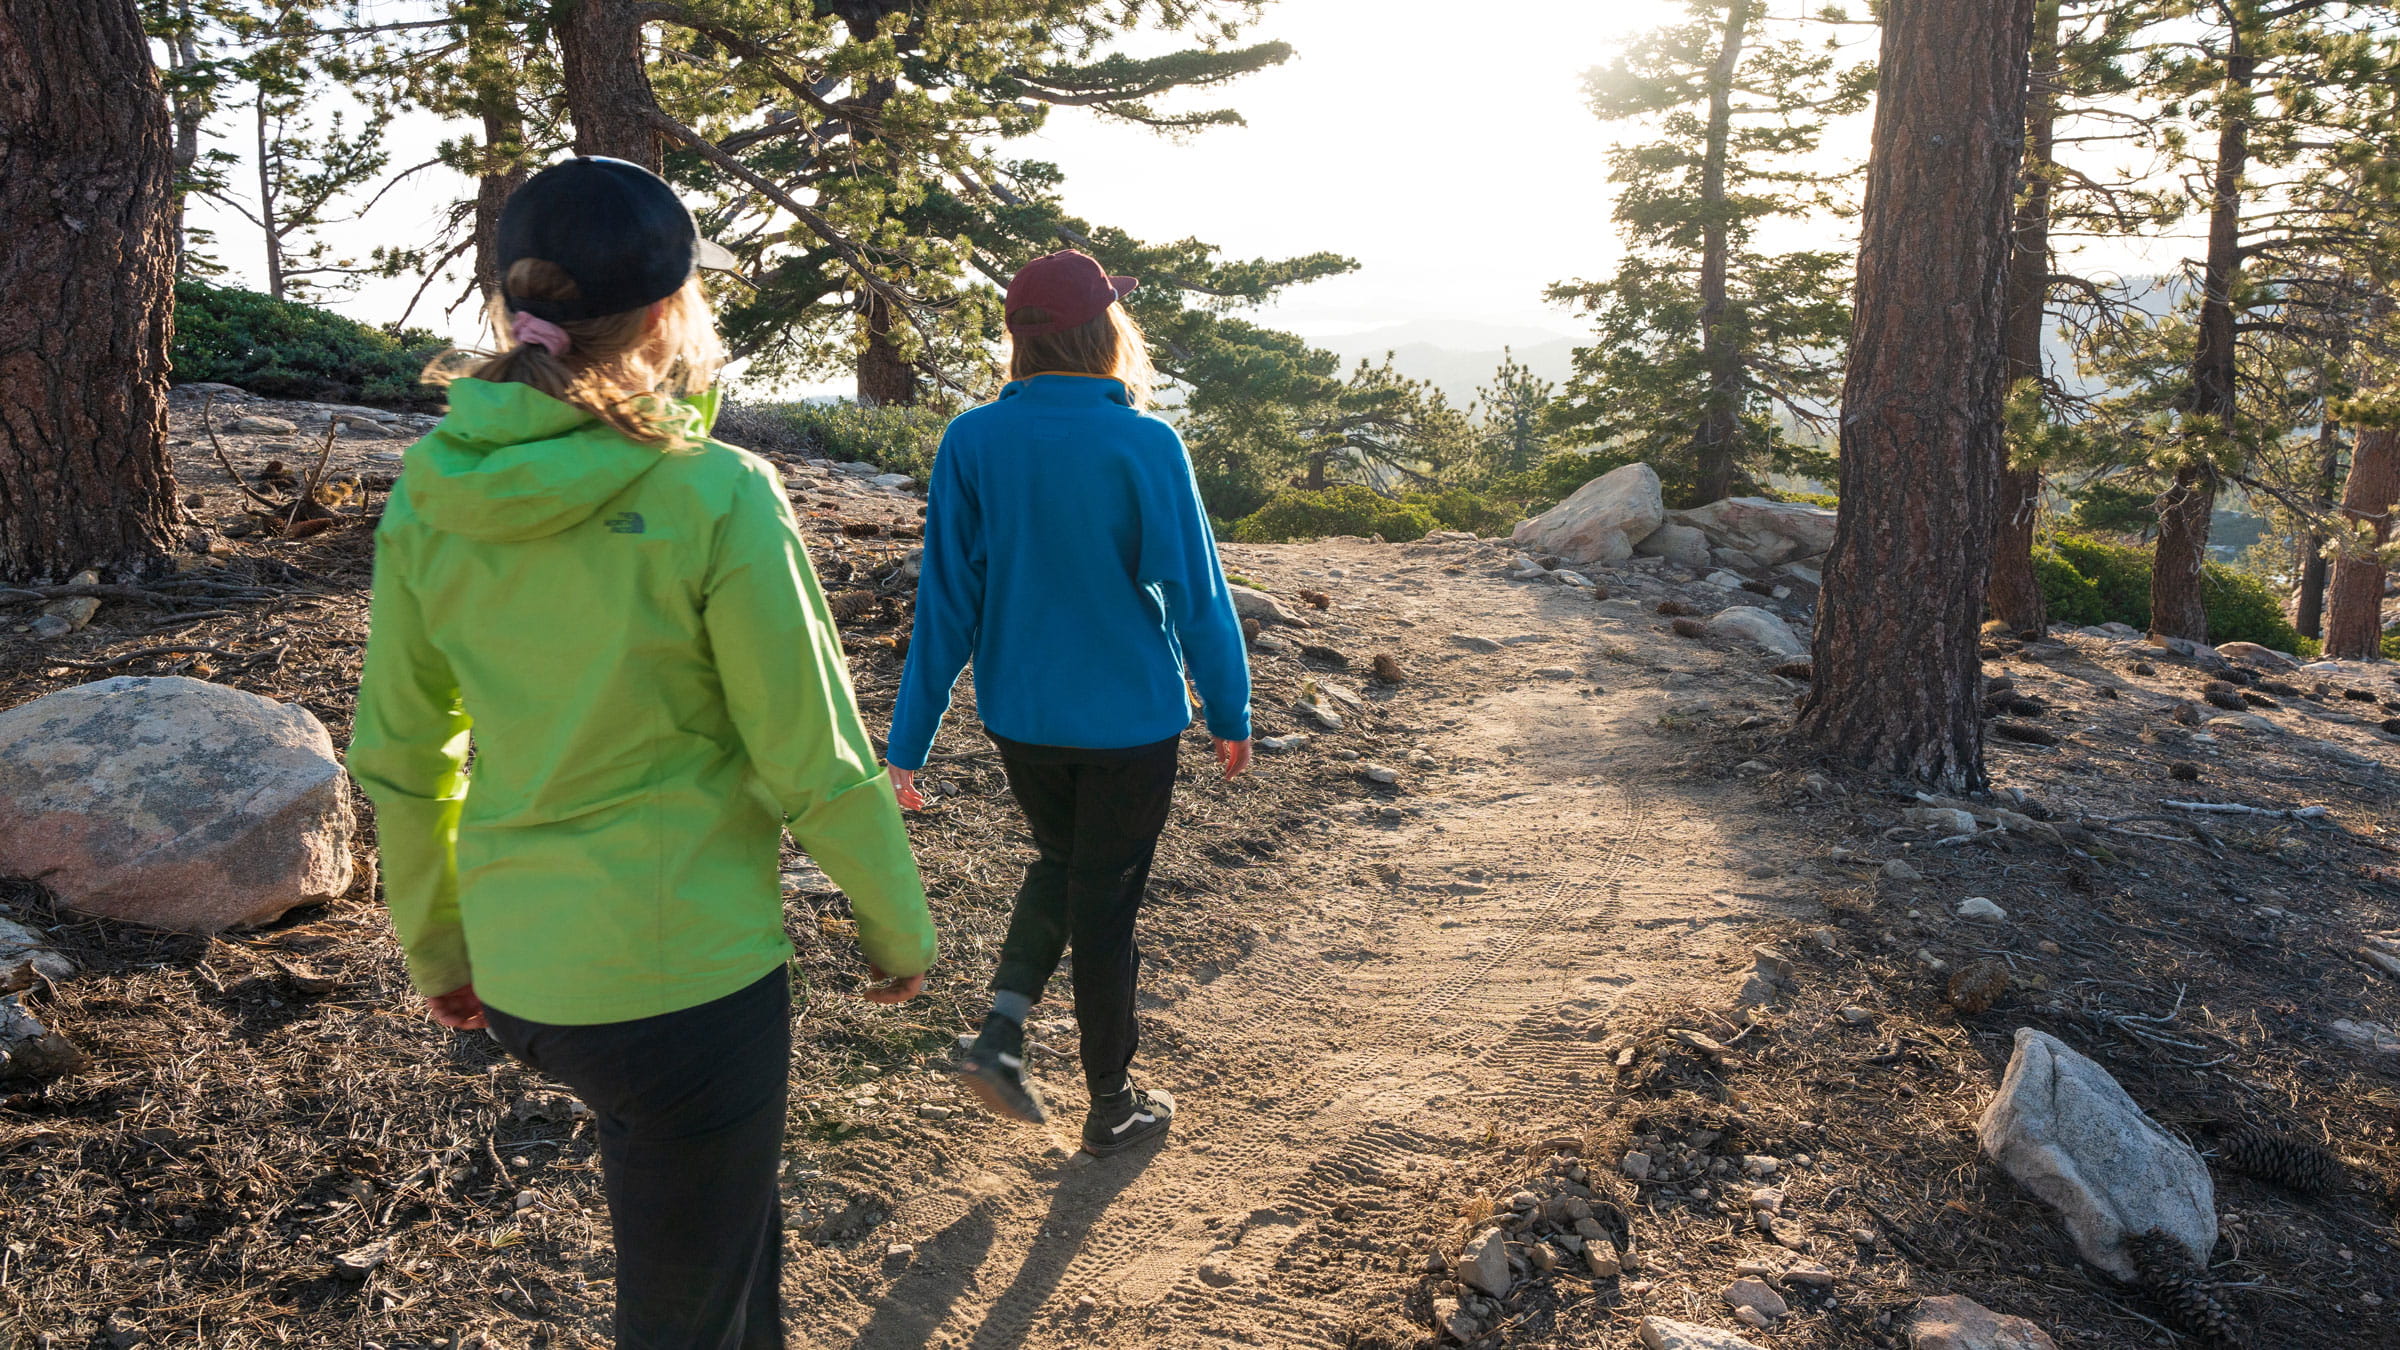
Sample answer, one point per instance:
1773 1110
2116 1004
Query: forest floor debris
1517 989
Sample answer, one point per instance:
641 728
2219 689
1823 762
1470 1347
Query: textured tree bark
2014 594
885 377
1896 653
2178 607
1715 440
87 203
503 150
2308 609
607 85
2354 615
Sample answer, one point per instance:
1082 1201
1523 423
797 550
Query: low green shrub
1349 509
2088 581
283 350
893 439
1824 499
1461 509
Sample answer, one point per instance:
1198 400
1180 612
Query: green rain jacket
635 642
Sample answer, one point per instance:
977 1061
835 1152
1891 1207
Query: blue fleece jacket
1067 553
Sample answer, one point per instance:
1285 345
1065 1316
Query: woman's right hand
1234 755
904 789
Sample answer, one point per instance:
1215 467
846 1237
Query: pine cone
1690 628
2308 1168
2189 1299
1387 669
1977 986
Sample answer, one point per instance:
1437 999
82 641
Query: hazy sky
1445 147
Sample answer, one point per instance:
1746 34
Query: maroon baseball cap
1071 286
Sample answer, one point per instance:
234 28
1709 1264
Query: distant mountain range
1457 358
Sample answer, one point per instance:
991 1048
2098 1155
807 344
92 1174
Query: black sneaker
992 1065
1118 1123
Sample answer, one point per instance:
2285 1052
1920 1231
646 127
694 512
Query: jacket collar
1064 387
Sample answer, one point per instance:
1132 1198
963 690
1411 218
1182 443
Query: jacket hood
510 462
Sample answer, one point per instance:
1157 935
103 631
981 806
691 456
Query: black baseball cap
615 227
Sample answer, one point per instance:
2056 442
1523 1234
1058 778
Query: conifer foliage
1710 352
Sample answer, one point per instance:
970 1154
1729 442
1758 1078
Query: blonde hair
620 364
1110 345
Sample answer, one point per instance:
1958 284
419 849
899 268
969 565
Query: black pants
690 1110
1096 816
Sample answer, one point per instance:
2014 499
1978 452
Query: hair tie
534 329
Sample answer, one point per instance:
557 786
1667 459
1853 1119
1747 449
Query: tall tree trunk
189 112
885 377
266 199
1897 659
1716 443
2178 607
2308 612
2015 592
86 199
2354 617
503 167
607 84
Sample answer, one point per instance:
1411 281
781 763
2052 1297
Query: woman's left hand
882 988
458 1010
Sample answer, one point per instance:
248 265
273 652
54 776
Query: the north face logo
624 522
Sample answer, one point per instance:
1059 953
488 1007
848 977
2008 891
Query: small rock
259 425
1856 1015
1483 1264
1453 1321
1256 604
1955 1322
1346 756
1473 643
1554 673
1381 773
2371 1036
1940 820
1981 909
20 945
1276 745
1752 1317
932 1112
1523 1200
897 482
900 1251
1601 1260
1636 1166
1759 1165
1900 873
1758 1296
1815 1276
1663 1333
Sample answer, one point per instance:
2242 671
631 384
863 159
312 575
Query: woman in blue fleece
1067 553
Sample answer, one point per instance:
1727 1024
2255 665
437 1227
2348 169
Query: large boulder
1602 520
1749 623
174 803
2065 1130
1956 1322
1683 545
1772 532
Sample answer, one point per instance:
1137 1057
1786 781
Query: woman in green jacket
618 613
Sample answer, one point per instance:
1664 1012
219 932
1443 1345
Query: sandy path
1442 971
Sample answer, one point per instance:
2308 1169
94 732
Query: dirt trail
1441 971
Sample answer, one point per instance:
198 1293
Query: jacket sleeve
779 660
1179 556
408 751
949 611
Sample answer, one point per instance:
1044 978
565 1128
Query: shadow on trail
949 1264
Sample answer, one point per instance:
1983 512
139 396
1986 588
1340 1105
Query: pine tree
2276 84
1707 348
1515 408
1895 650
2076 79
84 475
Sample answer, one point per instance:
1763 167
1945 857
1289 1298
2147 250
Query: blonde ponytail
620 368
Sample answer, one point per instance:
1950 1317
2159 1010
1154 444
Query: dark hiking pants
1096 817
689 1108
